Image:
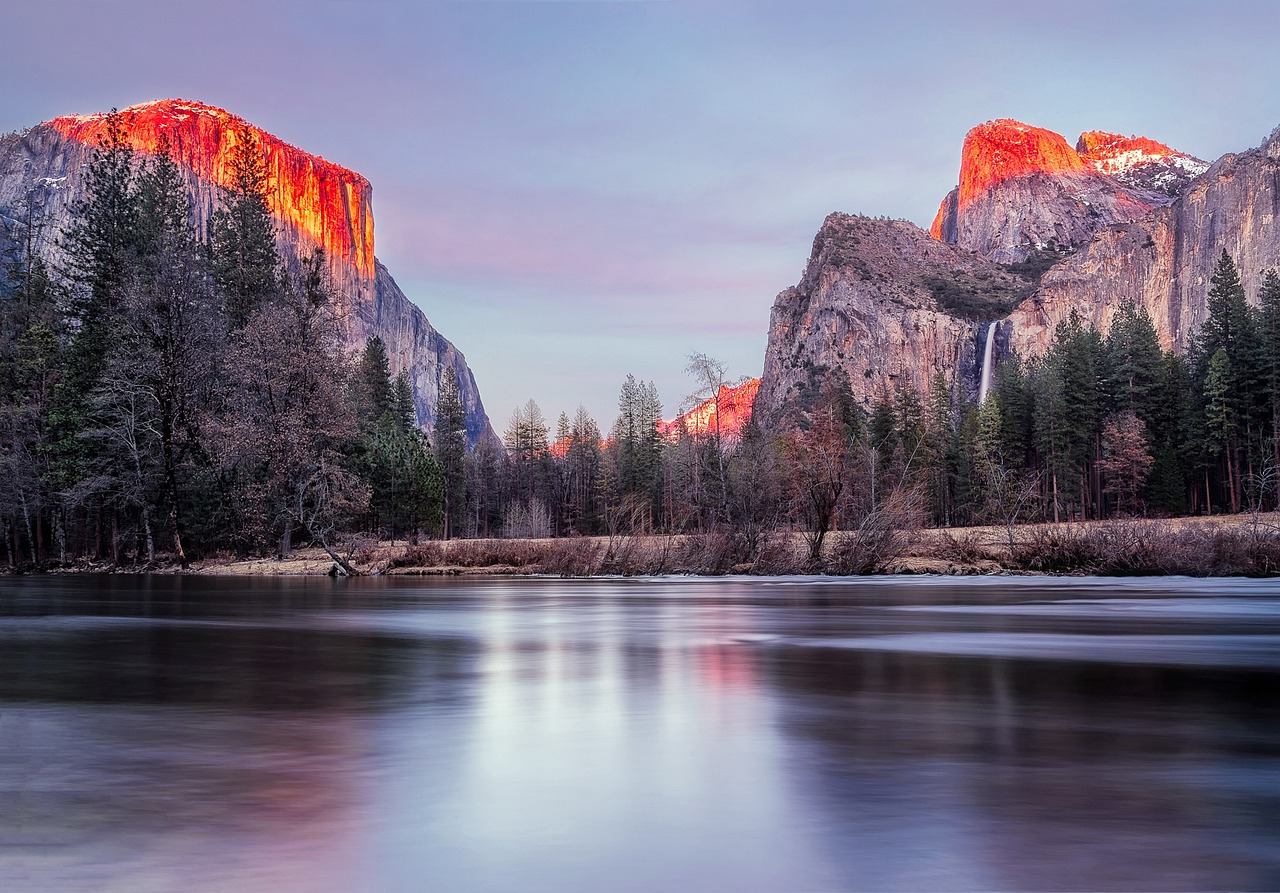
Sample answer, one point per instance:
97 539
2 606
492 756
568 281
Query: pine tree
31 336
449 436
403 406
242 234
938 456
1232 327
173 334
376 397
102 241
1134 360
637 449
1269 324
1222 422
101 250
583 458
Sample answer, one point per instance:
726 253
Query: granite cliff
316 204
1164 259
1132 219
886 304
1023 188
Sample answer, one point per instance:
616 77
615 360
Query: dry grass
1242 545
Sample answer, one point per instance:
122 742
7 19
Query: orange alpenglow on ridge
329 203
1112 153
1002 149
734 410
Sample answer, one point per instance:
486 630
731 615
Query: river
493 734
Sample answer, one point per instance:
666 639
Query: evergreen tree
937 460
583 459
173 336
246 265
449 435
638 450
1269 325
377 397
1221 420
31 334
403 407
1135 362
101 243
101 249
1238 400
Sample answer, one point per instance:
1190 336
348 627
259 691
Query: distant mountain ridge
316 204
730 408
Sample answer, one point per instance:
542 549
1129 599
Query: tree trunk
1057 519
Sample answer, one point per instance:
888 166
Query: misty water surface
781 735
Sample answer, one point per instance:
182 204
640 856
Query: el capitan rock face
1023 188
323 201
885 304
316 204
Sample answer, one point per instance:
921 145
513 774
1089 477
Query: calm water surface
658 735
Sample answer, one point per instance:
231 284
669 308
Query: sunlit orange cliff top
1003 149
328 202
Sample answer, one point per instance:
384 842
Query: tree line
166 393
1099 426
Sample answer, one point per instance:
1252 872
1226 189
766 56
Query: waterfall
985 383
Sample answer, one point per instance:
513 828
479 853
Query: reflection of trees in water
196 737
1020 773
166 642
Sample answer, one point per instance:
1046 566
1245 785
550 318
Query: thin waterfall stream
984 384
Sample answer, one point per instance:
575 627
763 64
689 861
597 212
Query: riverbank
1241 545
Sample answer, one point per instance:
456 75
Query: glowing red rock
1112 153
325 201
1001 149
734 404
1023 188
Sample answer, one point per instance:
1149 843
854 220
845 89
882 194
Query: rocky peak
884 306
1164 260
1138 162
1024 188
1002 149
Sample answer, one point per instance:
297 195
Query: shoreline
1217 546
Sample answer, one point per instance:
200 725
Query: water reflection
637 735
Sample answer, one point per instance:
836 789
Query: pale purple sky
574 191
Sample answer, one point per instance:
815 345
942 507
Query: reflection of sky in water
633 735
1227 651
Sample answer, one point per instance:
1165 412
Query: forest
166 397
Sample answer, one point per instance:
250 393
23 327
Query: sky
576 190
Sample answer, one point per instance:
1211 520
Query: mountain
733 404
316 204
886 304
1132 219
1163 260
1024 189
